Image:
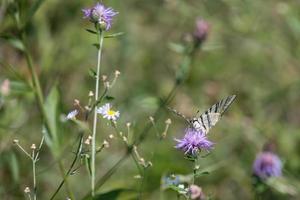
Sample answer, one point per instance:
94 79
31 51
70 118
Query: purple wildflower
196 192
267 164
201 31
193 142
173 180
100 14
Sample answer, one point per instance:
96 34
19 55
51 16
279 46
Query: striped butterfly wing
210 117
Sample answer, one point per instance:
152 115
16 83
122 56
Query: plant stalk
34 176
100 41
39 97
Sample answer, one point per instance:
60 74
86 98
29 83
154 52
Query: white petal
72 114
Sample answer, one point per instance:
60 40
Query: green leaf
19 87
14 166
87 162
178 48
13 41
110 195
82 125
35 6
92 73
198 174
91 31
109 98
51 112
282 185
12 71
114 35
96 45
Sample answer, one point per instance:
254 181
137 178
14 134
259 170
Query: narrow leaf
15 42
51 112
35 6
114 35
110 195
96 45
92 73
109 98
91 31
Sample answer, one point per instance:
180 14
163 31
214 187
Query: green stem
78 151
39 97
142 184
34 176
143 135
100 41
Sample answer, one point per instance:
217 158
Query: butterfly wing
209 118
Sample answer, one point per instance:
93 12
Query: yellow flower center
111 113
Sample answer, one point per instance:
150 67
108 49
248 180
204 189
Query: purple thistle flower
100 14
193 142
196 192
267 164
201 31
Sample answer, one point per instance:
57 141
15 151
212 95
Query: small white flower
72 114
182 189
107 113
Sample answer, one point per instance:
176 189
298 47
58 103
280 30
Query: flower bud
27 190
33 147
15 141
201 32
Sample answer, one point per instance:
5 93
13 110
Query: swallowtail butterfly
205 121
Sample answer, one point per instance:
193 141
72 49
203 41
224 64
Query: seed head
117 73
105 144
15 141
151 119
33 147
27 190
168 121
91 93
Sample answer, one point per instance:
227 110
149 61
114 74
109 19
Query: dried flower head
33 147
267 164
99 14
27 190
117 73
91 93
15 141
105 144
168 121
151 118
193 142
108 113
104 78
111 136
196 192
87 142
76 102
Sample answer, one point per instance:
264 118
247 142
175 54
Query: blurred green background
252 50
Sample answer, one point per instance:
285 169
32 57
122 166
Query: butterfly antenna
177 113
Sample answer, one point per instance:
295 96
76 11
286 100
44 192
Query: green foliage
252 50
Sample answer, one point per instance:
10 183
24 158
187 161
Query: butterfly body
205 121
